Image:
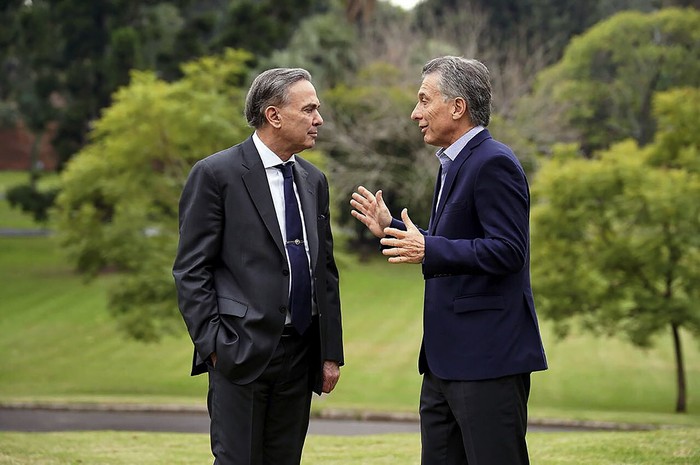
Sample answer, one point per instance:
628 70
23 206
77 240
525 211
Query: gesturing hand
405 246
371 210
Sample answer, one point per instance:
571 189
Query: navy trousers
474 422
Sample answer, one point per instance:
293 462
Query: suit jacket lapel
307 196
452 173
256 183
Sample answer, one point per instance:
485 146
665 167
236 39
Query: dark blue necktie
300 298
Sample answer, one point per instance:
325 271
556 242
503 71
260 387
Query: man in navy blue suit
481 338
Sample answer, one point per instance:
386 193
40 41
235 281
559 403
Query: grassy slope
124 448
59 343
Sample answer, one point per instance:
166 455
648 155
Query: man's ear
459 108
273 117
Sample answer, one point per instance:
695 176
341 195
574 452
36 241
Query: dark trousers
264 422
474 422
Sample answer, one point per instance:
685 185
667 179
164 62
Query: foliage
30 199
601 90
536 24
372 141
28 84
13 218
118 204
62 60
615 238
324 45
263 26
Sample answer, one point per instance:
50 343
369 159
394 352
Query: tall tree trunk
34 168
680 370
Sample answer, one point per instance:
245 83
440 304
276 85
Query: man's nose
415 114
318 119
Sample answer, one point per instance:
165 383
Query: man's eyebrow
311 106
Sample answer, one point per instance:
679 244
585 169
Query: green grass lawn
60 344
680 446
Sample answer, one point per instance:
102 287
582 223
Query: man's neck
268 137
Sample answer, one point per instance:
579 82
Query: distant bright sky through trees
407 4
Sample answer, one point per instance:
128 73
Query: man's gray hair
270 88
466 78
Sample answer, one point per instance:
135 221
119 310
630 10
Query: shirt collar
268 157
453 150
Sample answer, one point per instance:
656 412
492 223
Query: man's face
434 114
300 118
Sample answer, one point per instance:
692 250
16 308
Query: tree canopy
373 141
600 92
78 53
615 237
117 209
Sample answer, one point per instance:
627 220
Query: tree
263 26
28 91
370 139
27 83
615 238
117 209
601 90
531 23
100 43
324 44
61 61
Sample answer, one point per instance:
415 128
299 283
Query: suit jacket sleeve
332 314
201 214
499 244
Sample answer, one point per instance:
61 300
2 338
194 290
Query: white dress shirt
275 179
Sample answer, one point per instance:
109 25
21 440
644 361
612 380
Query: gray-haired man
262 307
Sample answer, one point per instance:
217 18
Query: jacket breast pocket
474 303
455 206
231 307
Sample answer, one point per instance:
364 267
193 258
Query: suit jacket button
283 309
285 272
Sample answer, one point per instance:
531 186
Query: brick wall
16 145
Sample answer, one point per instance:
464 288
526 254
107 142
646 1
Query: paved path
18 232
43 420
51 419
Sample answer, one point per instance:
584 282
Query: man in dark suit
256 278
481 338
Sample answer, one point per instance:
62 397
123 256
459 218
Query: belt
290 330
